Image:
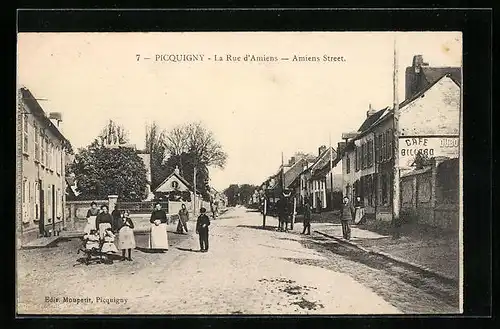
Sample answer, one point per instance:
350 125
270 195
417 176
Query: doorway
41 222
53 208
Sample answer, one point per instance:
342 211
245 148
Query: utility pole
331 173
395 145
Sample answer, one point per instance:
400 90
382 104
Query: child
109 242
91 240
126 239
202 229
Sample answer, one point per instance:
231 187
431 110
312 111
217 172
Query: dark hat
203 210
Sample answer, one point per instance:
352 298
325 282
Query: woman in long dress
158 238
126 239
91 217
103 221
183 218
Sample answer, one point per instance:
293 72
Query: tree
112 133
156 147
101 171
188 161
193 146
246 192
232 194
195 139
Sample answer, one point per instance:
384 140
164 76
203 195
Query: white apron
158 238
90 224
102 229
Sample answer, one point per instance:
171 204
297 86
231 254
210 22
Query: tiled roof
37 111
433 74
371 119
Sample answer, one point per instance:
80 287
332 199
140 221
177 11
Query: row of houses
307 177
428 144
46 196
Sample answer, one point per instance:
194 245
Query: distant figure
318 205
158 238
202 225
345 217
117 216
126 239
307 218
183 218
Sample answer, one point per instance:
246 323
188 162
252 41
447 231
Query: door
41 222
53 208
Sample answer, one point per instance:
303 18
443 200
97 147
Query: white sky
256 110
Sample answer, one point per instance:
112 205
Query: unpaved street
247 270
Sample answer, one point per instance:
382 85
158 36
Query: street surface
247 270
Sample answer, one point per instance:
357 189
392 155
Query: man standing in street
345 217
280 209
202 225
307 218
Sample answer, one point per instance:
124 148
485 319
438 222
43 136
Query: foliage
101 171
186 162
195 139
239 194
421 161
155 146
112 133
184 196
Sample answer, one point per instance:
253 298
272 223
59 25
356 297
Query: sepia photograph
239 173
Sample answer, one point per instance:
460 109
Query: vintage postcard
239 173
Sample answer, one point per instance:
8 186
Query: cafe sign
427 146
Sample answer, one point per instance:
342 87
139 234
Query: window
369 161
42 150
348 164
175 184
25 134
46 152
379 148
49 156
384 146
389 144
25 191
36 134
356 158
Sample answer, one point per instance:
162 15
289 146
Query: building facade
428 128
41 155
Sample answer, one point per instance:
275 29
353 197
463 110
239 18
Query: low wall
78 209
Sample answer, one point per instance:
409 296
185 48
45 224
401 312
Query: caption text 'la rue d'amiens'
182 58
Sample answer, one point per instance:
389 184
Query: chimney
176 170
370 111
414 76
56 119
291 161
321 149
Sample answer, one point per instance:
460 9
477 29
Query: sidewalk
436 253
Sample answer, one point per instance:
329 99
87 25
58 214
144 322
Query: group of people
103 227
285 216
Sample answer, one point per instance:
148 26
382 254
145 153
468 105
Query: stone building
41 157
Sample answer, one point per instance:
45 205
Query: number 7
138 56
